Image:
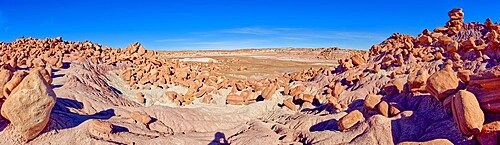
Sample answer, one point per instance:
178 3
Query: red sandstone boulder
417 80
467 113
394 87
5 76
372 100
442 83
289 104
14 81
98 127
29 105
490 134
351 119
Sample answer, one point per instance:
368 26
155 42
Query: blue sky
231 24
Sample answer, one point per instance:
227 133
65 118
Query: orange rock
444 40
337 89
289 103
442 83
357 60
424 39
268 92
101 127
140 97
308 98
469 43
383 108
140 117
236 100
29 105
207 99
490 134
171 95
394 87
5 76
46 75
297 90
14 81
464 75
395 109
351 119
286 89
372 100
417 80
428 57
467 113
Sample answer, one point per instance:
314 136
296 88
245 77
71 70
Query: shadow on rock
331 125
62 116
219 139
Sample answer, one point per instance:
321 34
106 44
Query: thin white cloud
251 30
258 37
174 40
303 33
291 38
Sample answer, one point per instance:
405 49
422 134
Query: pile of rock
462 82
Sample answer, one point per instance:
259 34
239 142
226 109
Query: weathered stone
297 90
337 89
289 104
394 87
383 108
29 105
442 83
5 76
140 97
464 75
236 100
395 109
417 80
357 60
140 117
14 81
371 101
490 134
467 113
101 127
351 119
424 39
